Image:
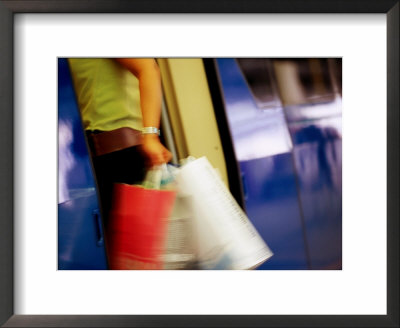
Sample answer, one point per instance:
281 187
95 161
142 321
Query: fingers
167 156
154 161
155 152
158 158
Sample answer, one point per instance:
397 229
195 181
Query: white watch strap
150 130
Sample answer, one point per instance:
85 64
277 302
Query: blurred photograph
199 164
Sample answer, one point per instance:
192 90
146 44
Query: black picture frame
7 11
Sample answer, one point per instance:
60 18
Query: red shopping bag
138 227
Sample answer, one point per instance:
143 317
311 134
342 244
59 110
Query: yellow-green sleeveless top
107 94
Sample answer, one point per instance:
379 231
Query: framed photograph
361 36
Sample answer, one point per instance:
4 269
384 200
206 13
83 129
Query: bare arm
148 74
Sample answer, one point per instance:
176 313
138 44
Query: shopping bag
179 251
138 227
224 237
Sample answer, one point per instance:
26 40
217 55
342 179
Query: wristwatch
150 130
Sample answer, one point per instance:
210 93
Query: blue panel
318 161
263 148
74 169
80 237
256 133
78 227
271 204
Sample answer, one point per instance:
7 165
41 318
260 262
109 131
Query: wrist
150 137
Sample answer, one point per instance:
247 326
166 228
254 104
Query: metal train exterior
271 126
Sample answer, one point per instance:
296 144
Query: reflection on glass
258 73
307 81
292 81
66 159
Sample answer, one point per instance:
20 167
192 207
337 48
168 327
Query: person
120 105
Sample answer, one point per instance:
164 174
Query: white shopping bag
179 251
224 236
